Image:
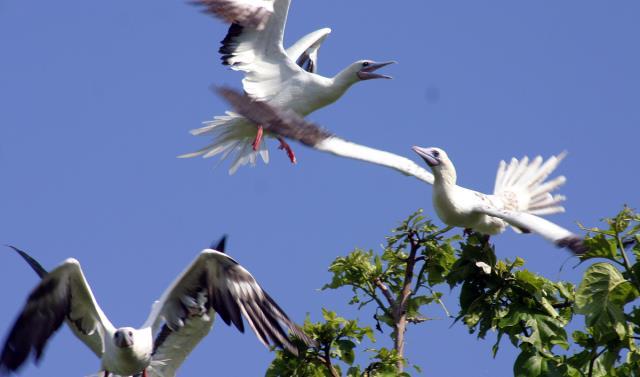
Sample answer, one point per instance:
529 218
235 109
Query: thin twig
385 291
593 360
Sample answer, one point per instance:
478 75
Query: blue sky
96 100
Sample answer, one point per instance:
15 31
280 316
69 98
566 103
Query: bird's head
365 69
438 161
123 337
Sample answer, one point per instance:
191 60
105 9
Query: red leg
287 148
144 372
258 140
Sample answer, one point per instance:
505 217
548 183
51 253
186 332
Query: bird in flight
213 283
521 193
284 78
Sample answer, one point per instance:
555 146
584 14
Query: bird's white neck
445 176
344 80
325 92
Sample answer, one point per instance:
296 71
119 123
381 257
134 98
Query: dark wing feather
220 245
34 264
46 309
305 62
62 294
229 43
217 283
227 278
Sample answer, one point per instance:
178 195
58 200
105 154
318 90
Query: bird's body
213 284
457 206
460 212
282 78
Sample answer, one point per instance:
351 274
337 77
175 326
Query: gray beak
427 156
122 339
367 73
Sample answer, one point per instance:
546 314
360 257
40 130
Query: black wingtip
220 245
35 265
229 43
573 243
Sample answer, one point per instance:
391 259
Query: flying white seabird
282 78
213 283
520 195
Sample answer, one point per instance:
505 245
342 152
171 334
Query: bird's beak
124 341
367 73
426 155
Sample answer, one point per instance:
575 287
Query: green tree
494 295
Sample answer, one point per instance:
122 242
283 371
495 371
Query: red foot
287 148
258 140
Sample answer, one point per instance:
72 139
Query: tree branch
400 313
372 294
593 359
627 264
326 361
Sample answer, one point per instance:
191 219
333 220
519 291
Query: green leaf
601 297
346 350
531 364
601 246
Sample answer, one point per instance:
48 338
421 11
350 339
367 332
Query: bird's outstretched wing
260 54
560 236
305 51
62 294
249 13
287 124
215 283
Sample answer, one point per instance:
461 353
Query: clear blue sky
96 100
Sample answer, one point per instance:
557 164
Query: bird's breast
306 96
450 210
128 361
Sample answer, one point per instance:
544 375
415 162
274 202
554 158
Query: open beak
367 73
427 156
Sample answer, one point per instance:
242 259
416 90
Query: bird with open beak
286 78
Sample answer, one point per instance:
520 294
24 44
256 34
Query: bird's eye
436 154
130 333
117 335
366 64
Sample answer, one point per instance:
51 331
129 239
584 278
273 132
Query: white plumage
282 78
521 192
213 283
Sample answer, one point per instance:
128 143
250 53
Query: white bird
520 195
213 283
282 78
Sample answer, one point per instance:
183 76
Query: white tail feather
521 185
232 135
